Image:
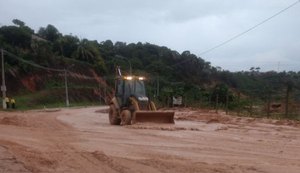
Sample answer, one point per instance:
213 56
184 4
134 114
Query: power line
248 30
242 33
43 67
31 63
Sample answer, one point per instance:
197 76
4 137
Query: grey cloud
194 25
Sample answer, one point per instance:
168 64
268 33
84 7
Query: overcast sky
194 25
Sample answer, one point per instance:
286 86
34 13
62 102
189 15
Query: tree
220 91
87 51
49 33
22 26
66 45
18 22
16 36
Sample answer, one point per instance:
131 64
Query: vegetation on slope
169 72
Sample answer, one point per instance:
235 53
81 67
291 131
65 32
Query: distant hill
92 66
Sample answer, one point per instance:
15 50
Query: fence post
227 100
217 102
239 106
268 104
251 106
287 97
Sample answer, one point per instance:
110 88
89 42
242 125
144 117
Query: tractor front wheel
125 117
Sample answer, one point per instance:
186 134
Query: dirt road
81 140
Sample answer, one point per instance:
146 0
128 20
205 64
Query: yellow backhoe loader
131 105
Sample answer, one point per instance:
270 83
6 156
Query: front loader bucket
154 116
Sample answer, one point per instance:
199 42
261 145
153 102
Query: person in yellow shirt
13 103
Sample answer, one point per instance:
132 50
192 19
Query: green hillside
35 64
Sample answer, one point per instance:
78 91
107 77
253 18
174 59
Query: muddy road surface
81 140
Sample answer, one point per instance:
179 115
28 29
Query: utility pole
3 86
66 70
66 86
157 86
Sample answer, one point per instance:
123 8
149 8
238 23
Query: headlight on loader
141 78
128 77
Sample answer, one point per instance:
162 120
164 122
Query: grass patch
54 98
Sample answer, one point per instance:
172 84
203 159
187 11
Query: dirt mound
203 116
13 120
210 117
213 120
288 123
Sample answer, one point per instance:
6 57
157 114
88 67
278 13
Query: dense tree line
176 73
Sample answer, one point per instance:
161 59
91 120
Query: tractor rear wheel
113 115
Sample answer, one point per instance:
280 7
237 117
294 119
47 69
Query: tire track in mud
9 163
32 160
83 141
168 163
54 151
54 155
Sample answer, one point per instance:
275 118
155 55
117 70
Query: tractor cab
130 86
